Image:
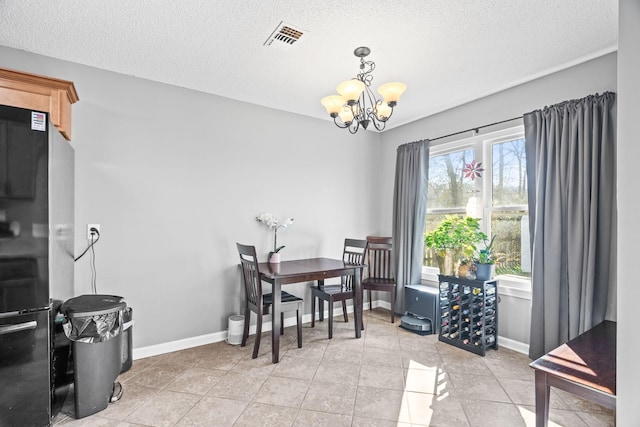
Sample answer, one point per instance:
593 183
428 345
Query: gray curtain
409 211
570 152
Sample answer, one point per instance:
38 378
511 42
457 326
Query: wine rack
468 311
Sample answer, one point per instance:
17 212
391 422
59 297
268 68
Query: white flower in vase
270 221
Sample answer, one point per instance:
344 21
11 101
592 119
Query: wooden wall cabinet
40 93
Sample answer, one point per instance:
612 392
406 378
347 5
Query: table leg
542 399
357 301
320 301
275 320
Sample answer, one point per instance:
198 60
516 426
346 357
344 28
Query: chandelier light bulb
351 90
383 111
391 92
346 115
333 104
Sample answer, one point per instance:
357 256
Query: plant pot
274 258
447 261
485 271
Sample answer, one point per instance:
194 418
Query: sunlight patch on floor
424 386
529 418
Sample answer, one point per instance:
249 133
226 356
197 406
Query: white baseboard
514 345
168 347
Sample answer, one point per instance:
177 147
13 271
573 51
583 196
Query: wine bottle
489 311
453 335
489 340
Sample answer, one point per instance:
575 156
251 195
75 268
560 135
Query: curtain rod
475 128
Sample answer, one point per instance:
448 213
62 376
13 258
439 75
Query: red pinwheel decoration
472 170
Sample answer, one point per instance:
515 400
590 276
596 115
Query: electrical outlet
90 234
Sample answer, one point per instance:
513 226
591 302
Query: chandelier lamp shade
356 105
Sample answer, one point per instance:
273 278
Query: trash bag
93 318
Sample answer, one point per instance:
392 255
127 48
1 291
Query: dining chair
380 275
258 302
354 251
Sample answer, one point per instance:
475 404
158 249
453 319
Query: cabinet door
4 158
18 159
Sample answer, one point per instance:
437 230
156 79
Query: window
497 194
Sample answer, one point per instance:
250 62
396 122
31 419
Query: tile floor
390 377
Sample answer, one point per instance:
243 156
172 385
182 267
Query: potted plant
485 261
454 238
270 221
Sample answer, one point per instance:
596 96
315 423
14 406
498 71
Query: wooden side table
584 366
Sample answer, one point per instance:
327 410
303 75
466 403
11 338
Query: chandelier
356 105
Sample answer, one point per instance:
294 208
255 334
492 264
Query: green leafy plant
460 234
485 256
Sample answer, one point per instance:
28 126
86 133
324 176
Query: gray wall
175 177
628 381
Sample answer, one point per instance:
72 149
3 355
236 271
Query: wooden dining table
308 270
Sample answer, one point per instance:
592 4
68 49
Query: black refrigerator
36 260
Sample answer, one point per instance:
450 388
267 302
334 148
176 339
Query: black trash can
127 339
94 325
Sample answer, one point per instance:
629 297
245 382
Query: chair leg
370 302
281 323
245 332
313 311
330 318
393 304
299 324
256 346
344 311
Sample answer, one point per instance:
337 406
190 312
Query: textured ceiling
448 52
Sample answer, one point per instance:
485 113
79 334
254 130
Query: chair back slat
354 251
379 261
250 274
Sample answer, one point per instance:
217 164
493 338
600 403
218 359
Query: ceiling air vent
284 37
